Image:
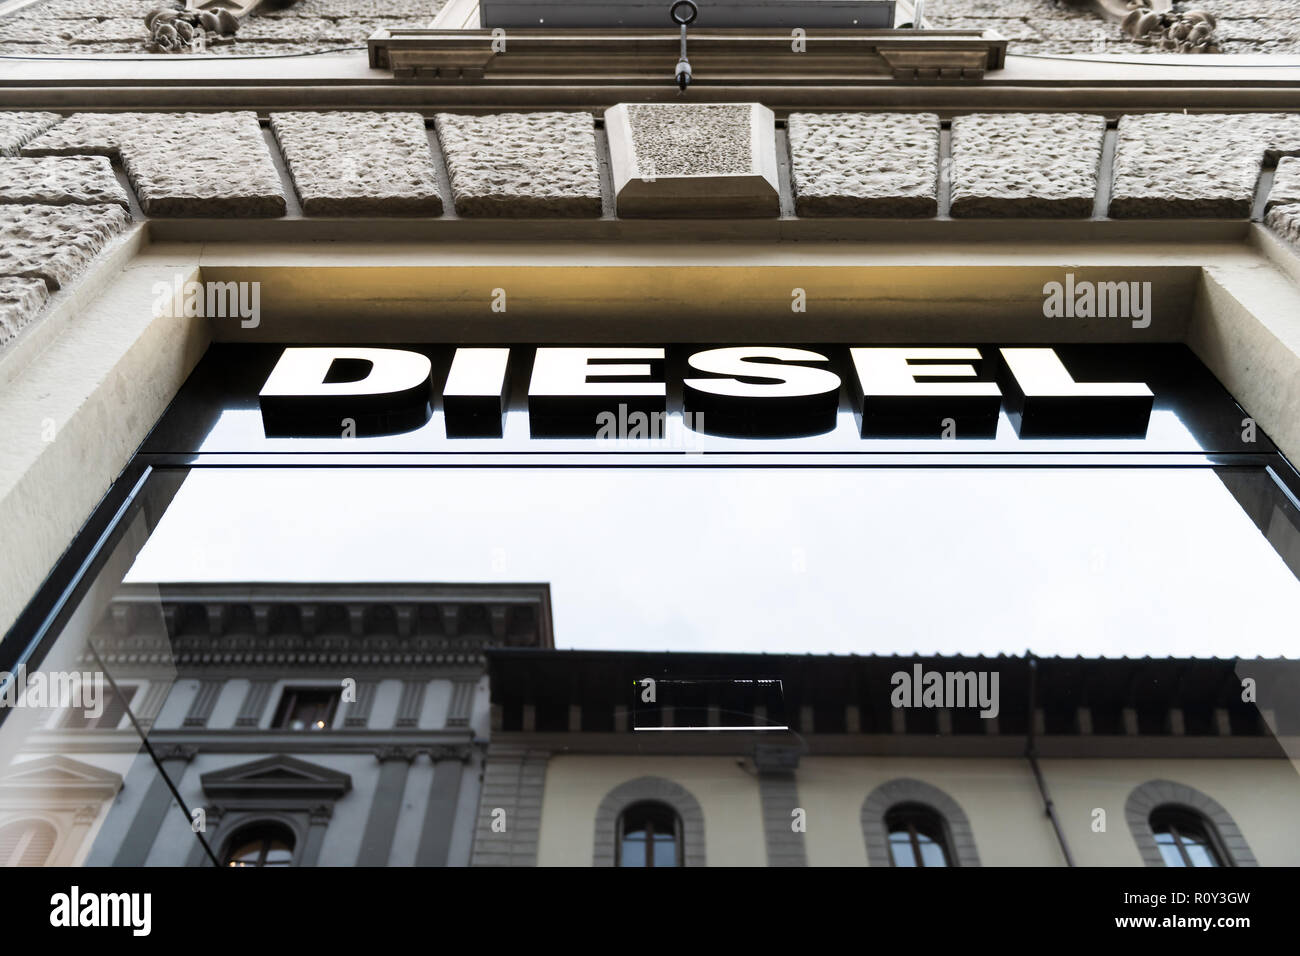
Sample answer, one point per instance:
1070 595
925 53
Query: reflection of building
313 725
319 725
1144 762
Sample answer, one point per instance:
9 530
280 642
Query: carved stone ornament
1155 23
191 27
1191 31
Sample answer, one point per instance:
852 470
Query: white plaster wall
1261 796
998 796
727 794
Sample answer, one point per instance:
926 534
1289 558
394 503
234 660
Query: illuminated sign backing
746 391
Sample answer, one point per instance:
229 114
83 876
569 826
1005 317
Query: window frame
126 691
264 829
1182 820
658 806
288 696
911 812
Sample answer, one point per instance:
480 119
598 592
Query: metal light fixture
683 12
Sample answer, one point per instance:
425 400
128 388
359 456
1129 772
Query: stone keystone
693 160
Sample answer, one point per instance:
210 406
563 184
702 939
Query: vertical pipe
1031 753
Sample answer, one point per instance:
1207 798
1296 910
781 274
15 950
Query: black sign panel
703 398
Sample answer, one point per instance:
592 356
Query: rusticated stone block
359 164
97 134
1285 221
18 129
1208 165
180 164
60 180
419 13
86 9
1025 164
521 164
20 300
864 164
693 160
55 243
1286 183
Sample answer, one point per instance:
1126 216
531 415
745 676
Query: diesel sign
747 391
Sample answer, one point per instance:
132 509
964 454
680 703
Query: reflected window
1184 837
306 708
26 843
649 834
917 836
114 704
262 844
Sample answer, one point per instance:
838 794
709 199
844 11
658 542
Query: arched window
1184 837
908 822
26 843
916 836
1177 825
260 844
649 834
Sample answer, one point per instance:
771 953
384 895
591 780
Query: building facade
389 389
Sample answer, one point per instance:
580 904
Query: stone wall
69 184
1058 27
98 27
93 27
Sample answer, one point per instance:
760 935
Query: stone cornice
441 744
346 81
435 626
1099 746
737 58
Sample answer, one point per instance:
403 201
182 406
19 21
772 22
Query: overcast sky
1105 562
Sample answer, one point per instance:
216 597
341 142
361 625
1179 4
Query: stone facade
1056 27
1045 27
860 164
116 27
180 164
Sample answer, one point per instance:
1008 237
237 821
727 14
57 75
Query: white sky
1098 562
